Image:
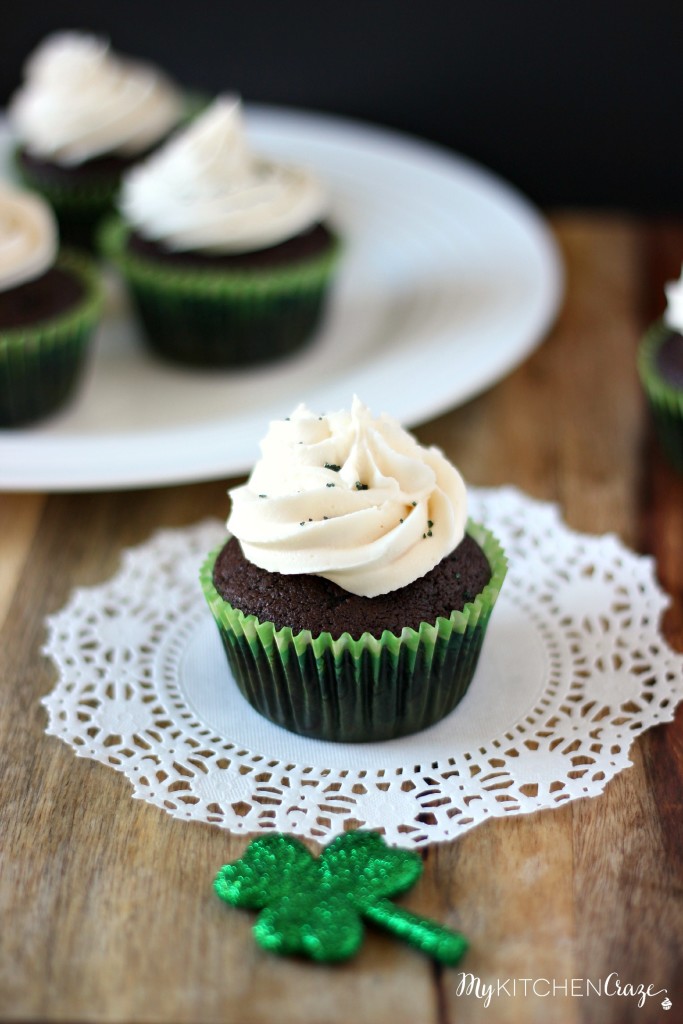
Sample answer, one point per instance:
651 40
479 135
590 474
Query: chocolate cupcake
83 116
226 254
660 364
354 596
49 306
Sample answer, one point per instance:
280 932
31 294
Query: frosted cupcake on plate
353 597
84 115
660 364
49 306
227 253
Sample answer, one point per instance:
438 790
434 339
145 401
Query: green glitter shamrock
314 906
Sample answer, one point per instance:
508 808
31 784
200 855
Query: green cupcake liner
40 365
206 317
357 690
665 400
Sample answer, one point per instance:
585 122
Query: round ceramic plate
449 279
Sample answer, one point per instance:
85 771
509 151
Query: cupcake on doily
49 306
354 595
83 116
660 363
227 253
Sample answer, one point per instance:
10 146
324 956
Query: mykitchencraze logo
569 988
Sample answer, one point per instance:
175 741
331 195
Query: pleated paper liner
40 365
358 690
665 400
222 317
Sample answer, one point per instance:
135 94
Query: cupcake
660 364
226 253
353 596
83 116
49 306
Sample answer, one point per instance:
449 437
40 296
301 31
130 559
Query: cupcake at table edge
83 116
226 253
49 306
353 596
660 364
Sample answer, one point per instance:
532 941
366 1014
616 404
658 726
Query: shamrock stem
436 941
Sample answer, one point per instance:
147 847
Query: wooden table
106 904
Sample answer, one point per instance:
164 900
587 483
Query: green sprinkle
332 466
330 485
263 495
424 536
430 523
302 523
429 533
326 517
413 503
360 486
457 575
400 520
310 520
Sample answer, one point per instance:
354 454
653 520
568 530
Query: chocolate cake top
669 359
30 304
314 603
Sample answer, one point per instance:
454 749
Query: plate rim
17 444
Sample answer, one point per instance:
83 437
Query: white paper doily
572 670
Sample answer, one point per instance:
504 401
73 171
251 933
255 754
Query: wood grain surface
106 907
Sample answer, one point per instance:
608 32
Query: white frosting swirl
351 498
79 101
28 237
674 299
205 191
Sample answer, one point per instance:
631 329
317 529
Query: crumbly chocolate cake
312 602
310 243
669 359
47 296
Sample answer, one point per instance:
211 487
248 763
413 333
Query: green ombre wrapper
665 400
40 365
357 689
205 317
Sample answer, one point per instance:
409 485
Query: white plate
449 279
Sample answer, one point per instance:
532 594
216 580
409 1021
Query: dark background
578 103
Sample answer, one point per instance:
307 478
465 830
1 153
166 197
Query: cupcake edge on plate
82 116
50 303
660 365
226 253
356 504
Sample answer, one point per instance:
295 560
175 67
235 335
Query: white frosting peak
674 300
28 237
79 101
349 497
206 191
